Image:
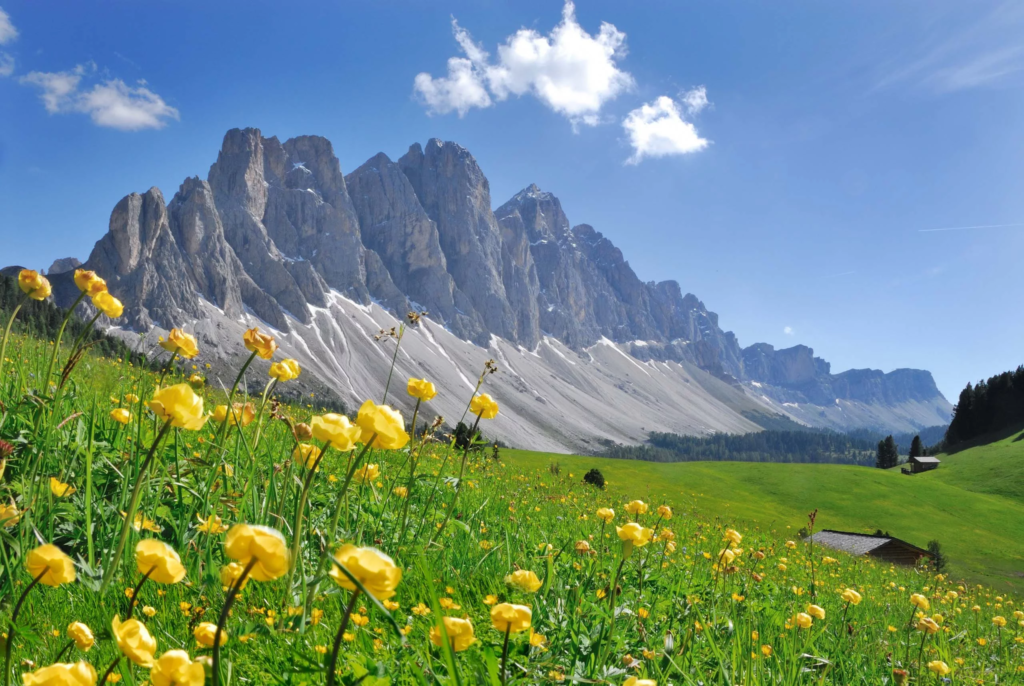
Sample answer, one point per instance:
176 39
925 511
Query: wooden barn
882 547
920 464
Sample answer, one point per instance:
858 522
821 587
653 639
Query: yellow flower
920 602
140 522
149 611
246 542
490 599
230 573
791 545
459 631
9 515
335 428
52 564
766 650
213 525
938 667
401 491
633 681
383 422
108 304
183 343
33 284
180 405
420 610
524 580
634 533
121 415
285 370
511 618
999 621
197 381
636 507
134 640
260 343
366 473
306 454
241 413
928 625
89 282
803 620
205 633
537 640
175 668
851 596
81 634
606 513
60 489
377 572
61 674
583 547
733 536
726 556
391 605
159 560
816 611
483 406
665 512
421 389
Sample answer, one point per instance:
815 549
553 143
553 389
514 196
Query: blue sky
790 163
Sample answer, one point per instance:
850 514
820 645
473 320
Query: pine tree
880 457
892 454
916 449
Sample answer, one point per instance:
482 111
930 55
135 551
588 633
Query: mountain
276 235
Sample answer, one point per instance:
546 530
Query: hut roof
925 459
860 544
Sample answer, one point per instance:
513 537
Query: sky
844 175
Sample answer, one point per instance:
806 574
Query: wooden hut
885 548
920 464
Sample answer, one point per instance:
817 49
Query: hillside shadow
985 439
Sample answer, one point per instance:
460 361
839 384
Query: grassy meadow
328 551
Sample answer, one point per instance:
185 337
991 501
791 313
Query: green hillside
996 468
981 532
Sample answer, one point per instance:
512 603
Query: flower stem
458 486
504 655
56 343
110 670
299 511
232 594
14 621
394 358
135 592
332 663
7 334
64 650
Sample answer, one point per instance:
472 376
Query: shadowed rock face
277 233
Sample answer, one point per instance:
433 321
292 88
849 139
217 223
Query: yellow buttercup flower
633 681
816 611
377 572
50 564
421 389
511 618
285 370
241 413
121 415
401 491
89 282
999 621
175 668
938 667
928 625
337 429
134 641
260 343
108 304
920 602
306 454
81 634
159 560
9 515
803 620
733 536
59 488
230 573
636 507
178 341
459 631
366 473
247 542
61 674
483 406
851 596
606 513
634 533
206 632
180 405
140 522
383 422
665 512
33 284
213 525
525 580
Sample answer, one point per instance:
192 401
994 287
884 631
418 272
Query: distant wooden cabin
882 547
921 464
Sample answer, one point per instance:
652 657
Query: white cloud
657 129
788 331
6 64
7 30
112 103
569 70
695 100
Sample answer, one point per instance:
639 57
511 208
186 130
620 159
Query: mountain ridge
278 233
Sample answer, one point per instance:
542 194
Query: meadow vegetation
156 532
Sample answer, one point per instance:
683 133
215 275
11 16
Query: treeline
42 319
929 436
823 447
992 405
